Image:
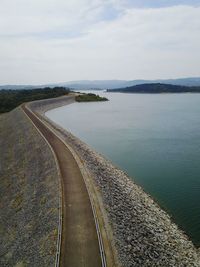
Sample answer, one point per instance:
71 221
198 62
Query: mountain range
108 84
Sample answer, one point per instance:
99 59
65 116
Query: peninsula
89 98
155 88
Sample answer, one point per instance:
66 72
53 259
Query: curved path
79 243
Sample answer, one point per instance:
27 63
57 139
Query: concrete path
79 245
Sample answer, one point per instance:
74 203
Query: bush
89 98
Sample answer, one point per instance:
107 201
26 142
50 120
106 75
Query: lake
155 138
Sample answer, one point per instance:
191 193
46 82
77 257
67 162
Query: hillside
153 88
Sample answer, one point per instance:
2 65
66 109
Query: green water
154 138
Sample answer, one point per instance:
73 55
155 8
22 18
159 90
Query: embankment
29 194
43 106
143 234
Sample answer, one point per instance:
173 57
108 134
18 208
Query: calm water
154 138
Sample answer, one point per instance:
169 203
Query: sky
46 41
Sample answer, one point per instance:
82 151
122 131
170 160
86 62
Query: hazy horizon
96 80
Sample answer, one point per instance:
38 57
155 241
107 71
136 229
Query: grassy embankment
89 98
10 99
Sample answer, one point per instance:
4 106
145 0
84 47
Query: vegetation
9 99
153 88
89 98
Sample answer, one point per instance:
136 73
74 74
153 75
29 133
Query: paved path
79 245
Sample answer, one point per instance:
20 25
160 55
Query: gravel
29 194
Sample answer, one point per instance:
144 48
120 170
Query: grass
16 203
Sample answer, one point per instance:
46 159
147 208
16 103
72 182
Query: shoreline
143 233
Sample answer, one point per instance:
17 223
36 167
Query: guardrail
101 248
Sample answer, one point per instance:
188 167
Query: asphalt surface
79 243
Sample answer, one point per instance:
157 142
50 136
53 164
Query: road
79 243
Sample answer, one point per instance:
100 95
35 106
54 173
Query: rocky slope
144 234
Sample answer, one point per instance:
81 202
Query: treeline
153 88
9 99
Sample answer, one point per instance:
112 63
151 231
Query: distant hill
153 88
94 85
17 87
181 81
107 84
114 84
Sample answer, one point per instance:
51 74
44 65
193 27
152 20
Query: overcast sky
44 41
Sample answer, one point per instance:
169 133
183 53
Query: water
154 138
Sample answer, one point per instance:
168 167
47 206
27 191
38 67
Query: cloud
49 41
153 3
34 17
